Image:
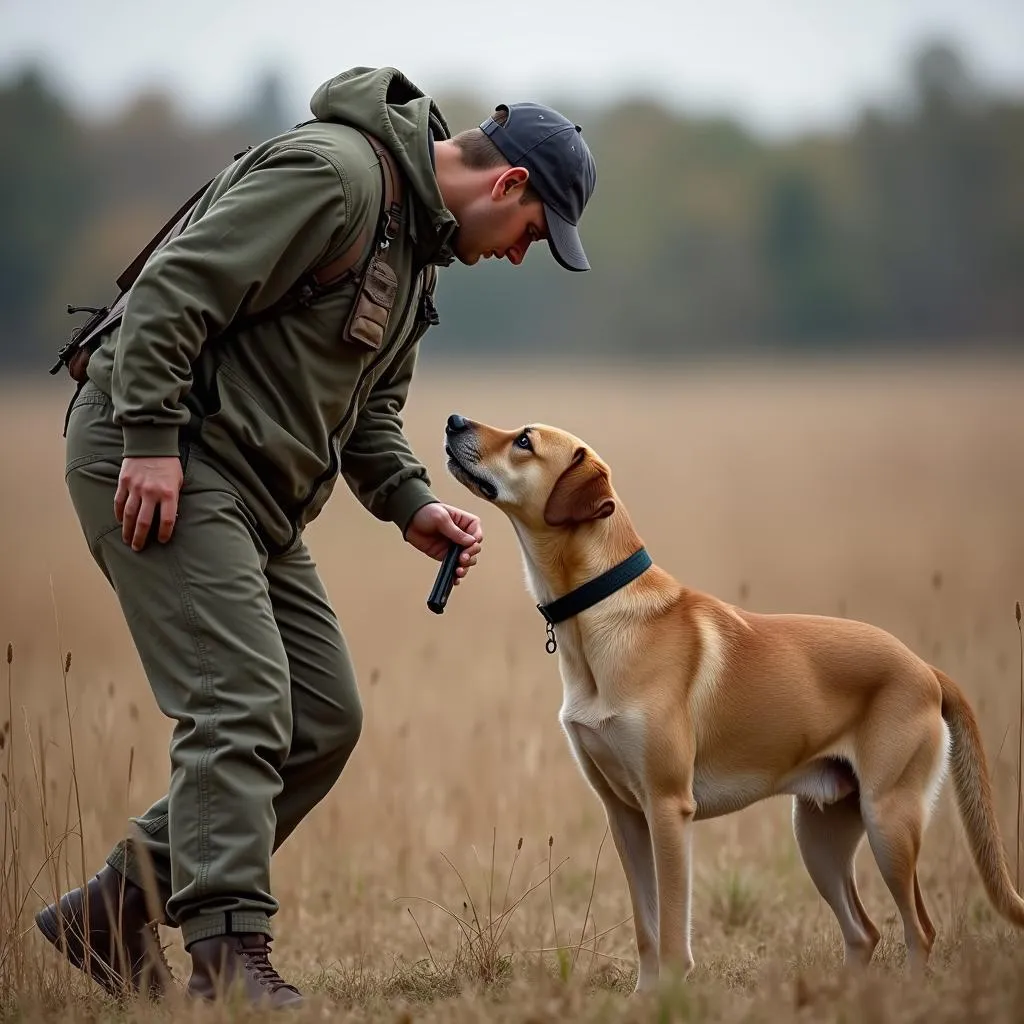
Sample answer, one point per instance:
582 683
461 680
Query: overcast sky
781 65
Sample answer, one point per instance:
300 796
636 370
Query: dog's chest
609 745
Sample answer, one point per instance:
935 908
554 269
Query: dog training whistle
445 580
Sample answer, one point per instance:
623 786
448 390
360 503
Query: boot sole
109 980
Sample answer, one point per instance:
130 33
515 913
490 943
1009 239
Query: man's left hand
434 526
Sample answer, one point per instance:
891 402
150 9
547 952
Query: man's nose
517 253
456 424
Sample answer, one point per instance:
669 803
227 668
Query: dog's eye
523 441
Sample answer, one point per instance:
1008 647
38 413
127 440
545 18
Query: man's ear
581 493
511 180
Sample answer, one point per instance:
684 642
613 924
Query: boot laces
257 962
156 948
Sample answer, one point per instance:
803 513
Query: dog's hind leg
895 826
896 808
828 838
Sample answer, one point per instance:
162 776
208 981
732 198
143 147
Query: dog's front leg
632 840
670 817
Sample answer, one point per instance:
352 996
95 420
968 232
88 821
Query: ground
887 493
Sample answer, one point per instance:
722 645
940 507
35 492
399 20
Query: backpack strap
392 197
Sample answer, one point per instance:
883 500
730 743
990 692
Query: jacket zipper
333 467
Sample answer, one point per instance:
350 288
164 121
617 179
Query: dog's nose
456 423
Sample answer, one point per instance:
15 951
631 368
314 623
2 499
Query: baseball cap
562 170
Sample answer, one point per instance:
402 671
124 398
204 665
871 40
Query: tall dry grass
457 870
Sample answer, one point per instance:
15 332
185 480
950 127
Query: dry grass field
889 494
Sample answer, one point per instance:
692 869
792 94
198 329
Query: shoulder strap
391 206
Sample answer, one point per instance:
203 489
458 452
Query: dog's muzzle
462 452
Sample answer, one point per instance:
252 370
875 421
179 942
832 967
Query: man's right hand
146 484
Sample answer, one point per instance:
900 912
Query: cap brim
564 242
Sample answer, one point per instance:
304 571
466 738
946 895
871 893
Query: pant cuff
125 861
231 922
121 860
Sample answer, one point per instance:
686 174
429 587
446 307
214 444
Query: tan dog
680 707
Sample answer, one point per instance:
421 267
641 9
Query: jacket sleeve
377 461
279 219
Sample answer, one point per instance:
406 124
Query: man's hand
435 525
144 485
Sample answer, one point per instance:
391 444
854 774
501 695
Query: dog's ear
582 492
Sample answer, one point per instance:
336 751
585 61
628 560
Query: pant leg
201 618
326 713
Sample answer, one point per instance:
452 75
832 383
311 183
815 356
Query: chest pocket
419 315
374 303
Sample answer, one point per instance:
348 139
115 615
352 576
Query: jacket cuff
406 500
150 441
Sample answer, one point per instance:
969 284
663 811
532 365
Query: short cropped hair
478 152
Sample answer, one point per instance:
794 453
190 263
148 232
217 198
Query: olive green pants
244 653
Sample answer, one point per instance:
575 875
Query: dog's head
545 478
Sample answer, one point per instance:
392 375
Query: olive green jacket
285 406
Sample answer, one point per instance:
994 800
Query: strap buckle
390 224
551 644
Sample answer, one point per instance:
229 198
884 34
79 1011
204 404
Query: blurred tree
44 198
801 250
267 112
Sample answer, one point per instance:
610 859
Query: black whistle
445 580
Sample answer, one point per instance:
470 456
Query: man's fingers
452 531
467 562
168 515
120 499
143 487
143 522
474 529
467 522
130 511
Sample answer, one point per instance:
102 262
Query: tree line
904 231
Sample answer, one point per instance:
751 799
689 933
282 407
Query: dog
680 707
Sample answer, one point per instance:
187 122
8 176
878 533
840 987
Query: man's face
497 223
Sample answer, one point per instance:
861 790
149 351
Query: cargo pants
245 654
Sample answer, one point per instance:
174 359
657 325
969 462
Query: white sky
781 65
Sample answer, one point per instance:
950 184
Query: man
197 453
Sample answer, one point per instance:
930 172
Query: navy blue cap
562 170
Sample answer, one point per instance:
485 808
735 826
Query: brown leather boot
122 942
225 961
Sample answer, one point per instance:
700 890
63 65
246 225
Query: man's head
524 174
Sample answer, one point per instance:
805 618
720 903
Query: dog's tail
974 799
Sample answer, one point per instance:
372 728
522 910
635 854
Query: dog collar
592 592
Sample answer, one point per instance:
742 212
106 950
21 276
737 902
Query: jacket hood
383 102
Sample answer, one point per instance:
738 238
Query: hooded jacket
285 406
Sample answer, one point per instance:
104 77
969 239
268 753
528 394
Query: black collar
591 592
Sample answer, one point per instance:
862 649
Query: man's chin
460 252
